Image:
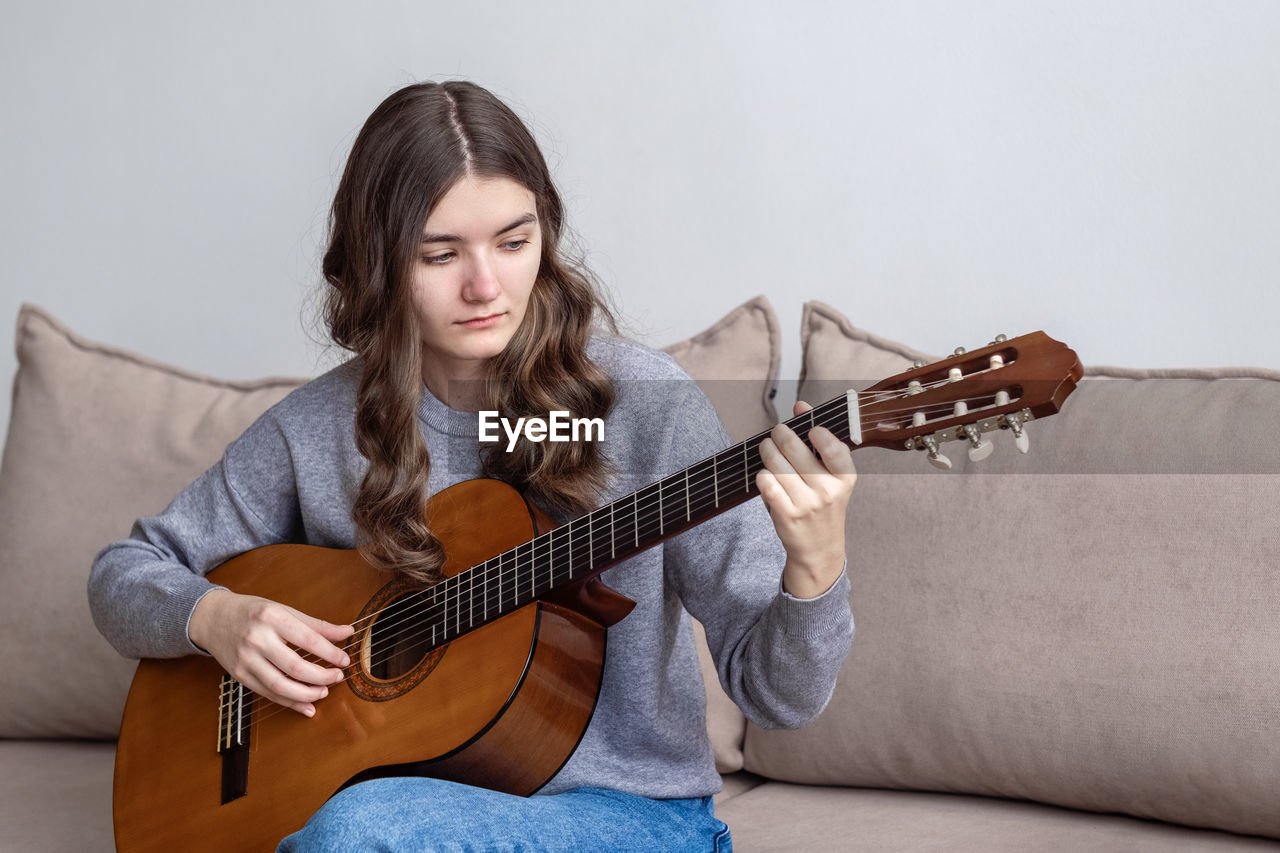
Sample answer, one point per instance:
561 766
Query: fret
715 481
635 515
624 519
435 603
515 576
598 543
502 580
533 564
687 509
613 547
455 594
551 556
672 502
651 495
495 583
467 600
746 469
662 507
701 475
557 558
471 599
568 558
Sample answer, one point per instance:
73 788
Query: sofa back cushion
1092 625
100 436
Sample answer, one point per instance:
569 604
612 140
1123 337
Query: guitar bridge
235 716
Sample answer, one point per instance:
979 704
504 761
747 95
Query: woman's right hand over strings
260 643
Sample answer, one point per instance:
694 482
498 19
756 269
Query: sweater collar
444 419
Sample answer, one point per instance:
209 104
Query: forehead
475 207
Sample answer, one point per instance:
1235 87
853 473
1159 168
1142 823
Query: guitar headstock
1000 386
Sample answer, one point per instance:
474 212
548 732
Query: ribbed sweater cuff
815 617
176 610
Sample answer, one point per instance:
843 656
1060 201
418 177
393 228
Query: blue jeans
417 815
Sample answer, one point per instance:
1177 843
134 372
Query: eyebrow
454 238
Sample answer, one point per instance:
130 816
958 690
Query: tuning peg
960 351
979 448
1020 439
936 458
919 362
999 339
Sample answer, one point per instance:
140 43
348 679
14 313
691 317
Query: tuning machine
936 458
979 447
1015 421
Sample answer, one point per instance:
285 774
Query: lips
481 322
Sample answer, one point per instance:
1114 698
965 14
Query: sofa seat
779 817
55 795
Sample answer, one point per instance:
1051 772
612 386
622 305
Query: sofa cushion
782 818
99 436
1091 625
735 362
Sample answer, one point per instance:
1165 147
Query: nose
482 283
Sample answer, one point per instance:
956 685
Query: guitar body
503 706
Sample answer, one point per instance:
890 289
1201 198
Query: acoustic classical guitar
489 677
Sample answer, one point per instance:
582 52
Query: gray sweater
292 477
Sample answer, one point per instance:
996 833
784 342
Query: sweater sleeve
777 656
143 589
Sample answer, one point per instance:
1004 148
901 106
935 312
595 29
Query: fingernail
324 692
309 711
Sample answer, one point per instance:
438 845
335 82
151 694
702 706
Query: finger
290 662
797 453
800 407
836 457
775 461
775 497
328 629
315 636
296 641
263 678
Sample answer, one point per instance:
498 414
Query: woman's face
480 253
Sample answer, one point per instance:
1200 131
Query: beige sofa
1083 659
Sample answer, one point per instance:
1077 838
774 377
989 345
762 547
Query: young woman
449 285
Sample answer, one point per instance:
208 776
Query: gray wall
939 171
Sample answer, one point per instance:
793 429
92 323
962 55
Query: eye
442 258
515 245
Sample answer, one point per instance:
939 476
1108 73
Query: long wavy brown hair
414 147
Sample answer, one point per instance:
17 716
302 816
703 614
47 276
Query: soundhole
396 651
399 640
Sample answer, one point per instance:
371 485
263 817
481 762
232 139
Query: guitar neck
604 537
1001 386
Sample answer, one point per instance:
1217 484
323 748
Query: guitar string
480 574
833 415
827 414
426 617
834 409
